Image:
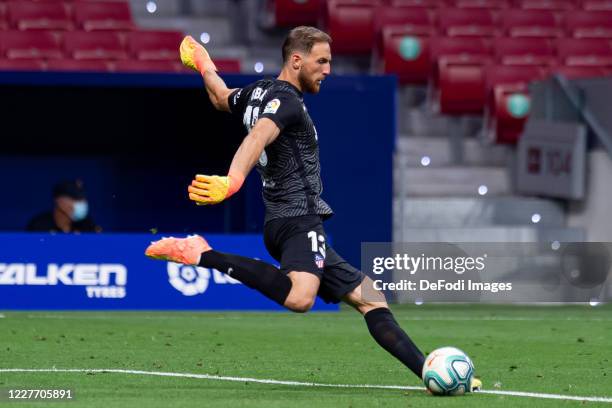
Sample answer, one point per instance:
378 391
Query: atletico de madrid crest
320 261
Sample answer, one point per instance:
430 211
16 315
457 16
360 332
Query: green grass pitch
557 350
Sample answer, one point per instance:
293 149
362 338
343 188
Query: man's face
76 210
315 67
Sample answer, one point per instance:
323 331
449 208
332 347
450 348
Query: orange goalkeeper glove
195 56
214 189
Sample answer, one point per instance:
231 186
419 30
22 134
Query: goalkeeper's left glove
195 56
214 189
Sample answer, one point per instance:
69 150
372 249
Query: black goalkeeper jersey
289 167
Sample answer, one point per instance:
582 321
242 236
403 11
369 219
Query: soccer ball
448 371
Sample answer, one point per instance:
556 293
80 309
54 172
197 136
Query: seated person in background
70 213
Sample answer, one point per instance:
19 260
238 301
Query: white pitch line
297 383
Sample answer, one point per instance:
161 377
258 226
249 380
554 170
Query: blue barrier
110 272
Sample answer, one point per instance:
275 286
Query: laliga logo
189 280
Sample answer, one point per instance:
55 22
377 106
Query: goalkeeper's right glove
195 56
214 189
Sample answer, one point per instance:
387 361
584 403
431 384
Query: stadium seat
597 5
27 15
405 52
21 65
441 46
30 45
154 45
553 5
459 86
530 23
524 51
505 86
96 65
82 45
418 18
3 21
589 24
465 22
594 52
351 25
430 4
100 15
291 13
402 39
480 4
148 66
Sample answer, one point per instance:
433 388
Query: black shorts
300 244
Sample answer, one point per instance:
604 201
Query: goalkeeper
282 144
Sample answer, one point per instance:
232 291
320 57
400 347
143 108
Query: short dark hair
302 39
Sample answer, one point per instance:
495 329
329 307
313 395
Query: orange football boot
181 250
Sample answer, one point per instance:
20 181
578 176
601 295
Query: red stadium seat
554 5
529 23
82 45
524 51
461 22
154 45
26 15
595 52
597 5
502 82
30 45
417 17
441 46
538 32
504 126
589 24
405 52
3 21
351 25
79 65
100 15
460 84
457 74
21 65
430 4
480 4
401 44
148 66
291 13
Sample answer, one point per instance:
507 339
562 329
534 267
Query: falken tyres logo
99 280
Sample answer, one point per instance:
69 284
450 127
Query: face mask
80 211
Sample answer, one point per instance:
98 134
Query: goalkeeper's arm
195 56
214 189
218 92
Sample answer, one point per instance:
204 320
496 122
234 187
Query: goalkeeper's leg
383 326
294 290
385 329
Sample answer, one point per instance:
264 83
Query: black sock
391 337
253 273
